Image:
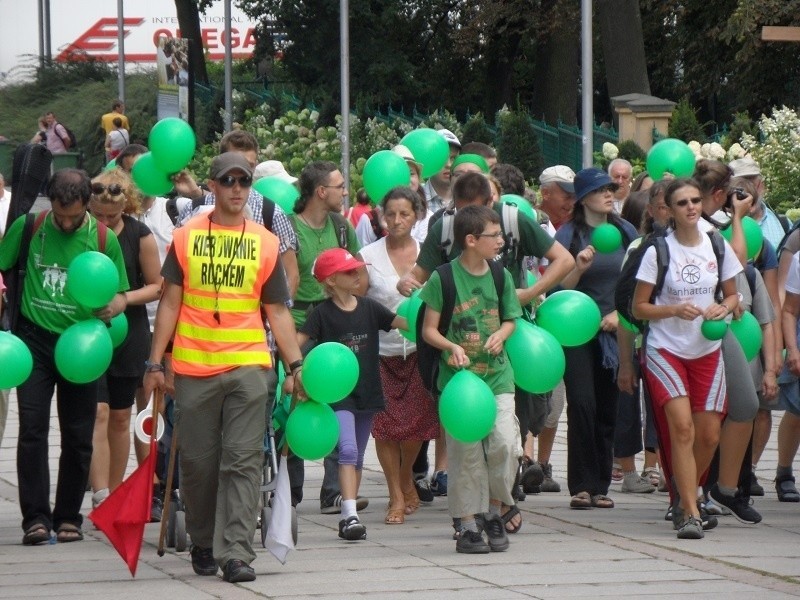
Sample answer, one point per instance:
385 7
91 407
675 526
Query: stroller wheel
180 531
170 537
266 515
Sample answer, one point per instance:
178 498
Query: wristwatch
150 366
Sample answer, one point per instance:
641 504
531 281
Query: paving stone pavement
625 552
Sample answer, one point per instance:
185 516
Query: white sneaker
99 496
633 483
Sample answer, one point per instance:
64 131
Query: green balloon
279 191
714 329
92 279
627 324
467 408
606 238
748 332
428 148
151 179
410 310
330 372
112 164
572 317
531 278
172 143
312 430
383 171
670 156
118 329
530 346
521 203
753 236
16 359
83 351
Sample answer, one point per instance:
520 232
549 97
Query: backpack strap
448 296
340 225
102 236
32 223
750 274
662 265
448 235
718 245
268 213
509 217
499 278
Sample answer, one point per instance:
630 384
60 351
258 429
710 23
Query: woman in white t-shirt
684 370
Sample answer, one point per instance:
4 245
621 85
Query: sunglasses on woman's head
685 201
114 189
228 181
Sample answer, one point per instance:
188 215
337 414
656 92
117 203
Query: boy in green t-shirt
481 474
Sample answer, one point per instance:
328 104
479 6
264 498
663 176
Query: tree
623 46
189 24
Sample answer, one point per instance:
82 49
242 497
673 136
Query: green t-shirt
534 241
44 298
475 318
312 242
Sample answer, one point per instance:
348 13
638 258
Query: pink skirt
410 412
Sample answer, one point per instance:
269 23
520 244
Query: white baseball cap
450 137
561 175
272 168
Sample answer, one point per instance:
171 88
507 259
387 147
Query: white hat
406 154
272 168
561 175
745 167
450 137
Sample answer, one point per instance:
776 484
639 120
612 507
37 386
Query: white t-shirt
691 277
793 276
157 219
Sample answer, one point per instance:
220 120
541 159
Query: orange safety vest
222 276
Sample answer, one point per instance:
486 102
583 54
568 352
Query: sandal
602 501
508 519
67 532
395 516
581 500
36 534
412 501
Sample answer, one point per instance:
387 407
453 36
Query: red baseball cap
335 260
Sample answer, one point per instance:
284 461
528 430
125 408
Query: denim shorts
789 395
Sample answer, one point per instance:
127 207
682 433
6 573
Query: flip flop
581 500
602 501
36 534
67 532
508 517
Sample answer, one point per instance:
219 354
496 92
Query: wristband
298 364
150 366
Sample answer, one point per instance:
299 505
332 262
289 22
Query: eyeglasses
114 189
685 202
496 236
228 181
336 187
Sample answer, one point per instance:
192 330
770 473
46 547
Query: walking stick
168 494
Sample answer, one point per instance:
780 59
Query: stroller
175 513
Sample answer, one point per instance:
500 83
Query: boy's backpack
427 355
626 284
30 173
73 141
340 224
14 276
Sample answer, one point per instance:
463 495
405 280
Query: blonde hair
130 199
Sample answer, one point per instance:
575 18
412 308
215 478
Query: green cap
475 159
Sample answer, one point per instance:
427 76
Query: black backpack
427 355
29 176
73 141
626 284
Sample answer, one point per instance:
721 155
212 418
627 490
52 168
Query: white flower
696 148
715 151
735 151
610 151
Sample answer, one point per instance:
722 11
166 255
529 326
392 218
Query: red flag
122 516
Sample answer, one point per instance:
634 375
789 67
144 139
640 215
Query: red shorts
701 379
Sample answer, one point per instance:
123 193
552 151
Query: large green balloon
572 317
753 236
714 329
149 177
409 308
118 329
383 171
536 357
172 143
312 430
748 332
428 148
670 156
92 279
83 351
330 372
627 324
16 360
521 203
606 238
279 191
467 407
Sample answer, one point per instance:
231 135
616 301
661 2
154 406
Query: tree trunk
189 24
500 70
623 46
555 93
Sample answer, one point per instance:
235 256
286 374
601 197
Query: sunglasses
685 201
114 189
228 181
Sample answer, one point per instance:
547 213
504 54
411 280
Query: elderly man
770 224
558 193
621 173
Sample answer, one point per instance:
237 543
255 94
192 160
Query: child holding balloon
481 473
353 321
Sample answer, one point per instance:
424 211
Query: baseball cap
561 175
589 180
745 167
227 162
475 159
406 155
272 168
332 261
450 137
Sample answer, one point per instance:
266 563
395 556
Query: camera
738 192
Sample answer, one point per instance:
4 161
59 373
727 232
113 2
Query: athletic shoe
352 529
787 492
237 571
652 474
335 507
496 532
532 478
472 542
755 488
156 509
716 509
548 483
690 529
517 493
99 496
203 561
633 483
739 505
423 487
439 483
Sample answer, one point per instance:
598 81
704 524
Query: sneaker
708 520
616 473
787 492
662 484
548 483
532 478
99 496
668 514
496 532
439 483
690 529
712 508
653 475
156 509
517 493
633 483
755 488
203 561
472 542
335 507
352 529
739 505
236 571
423 488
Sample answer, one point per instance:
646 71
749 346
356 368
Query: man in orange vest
218 273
